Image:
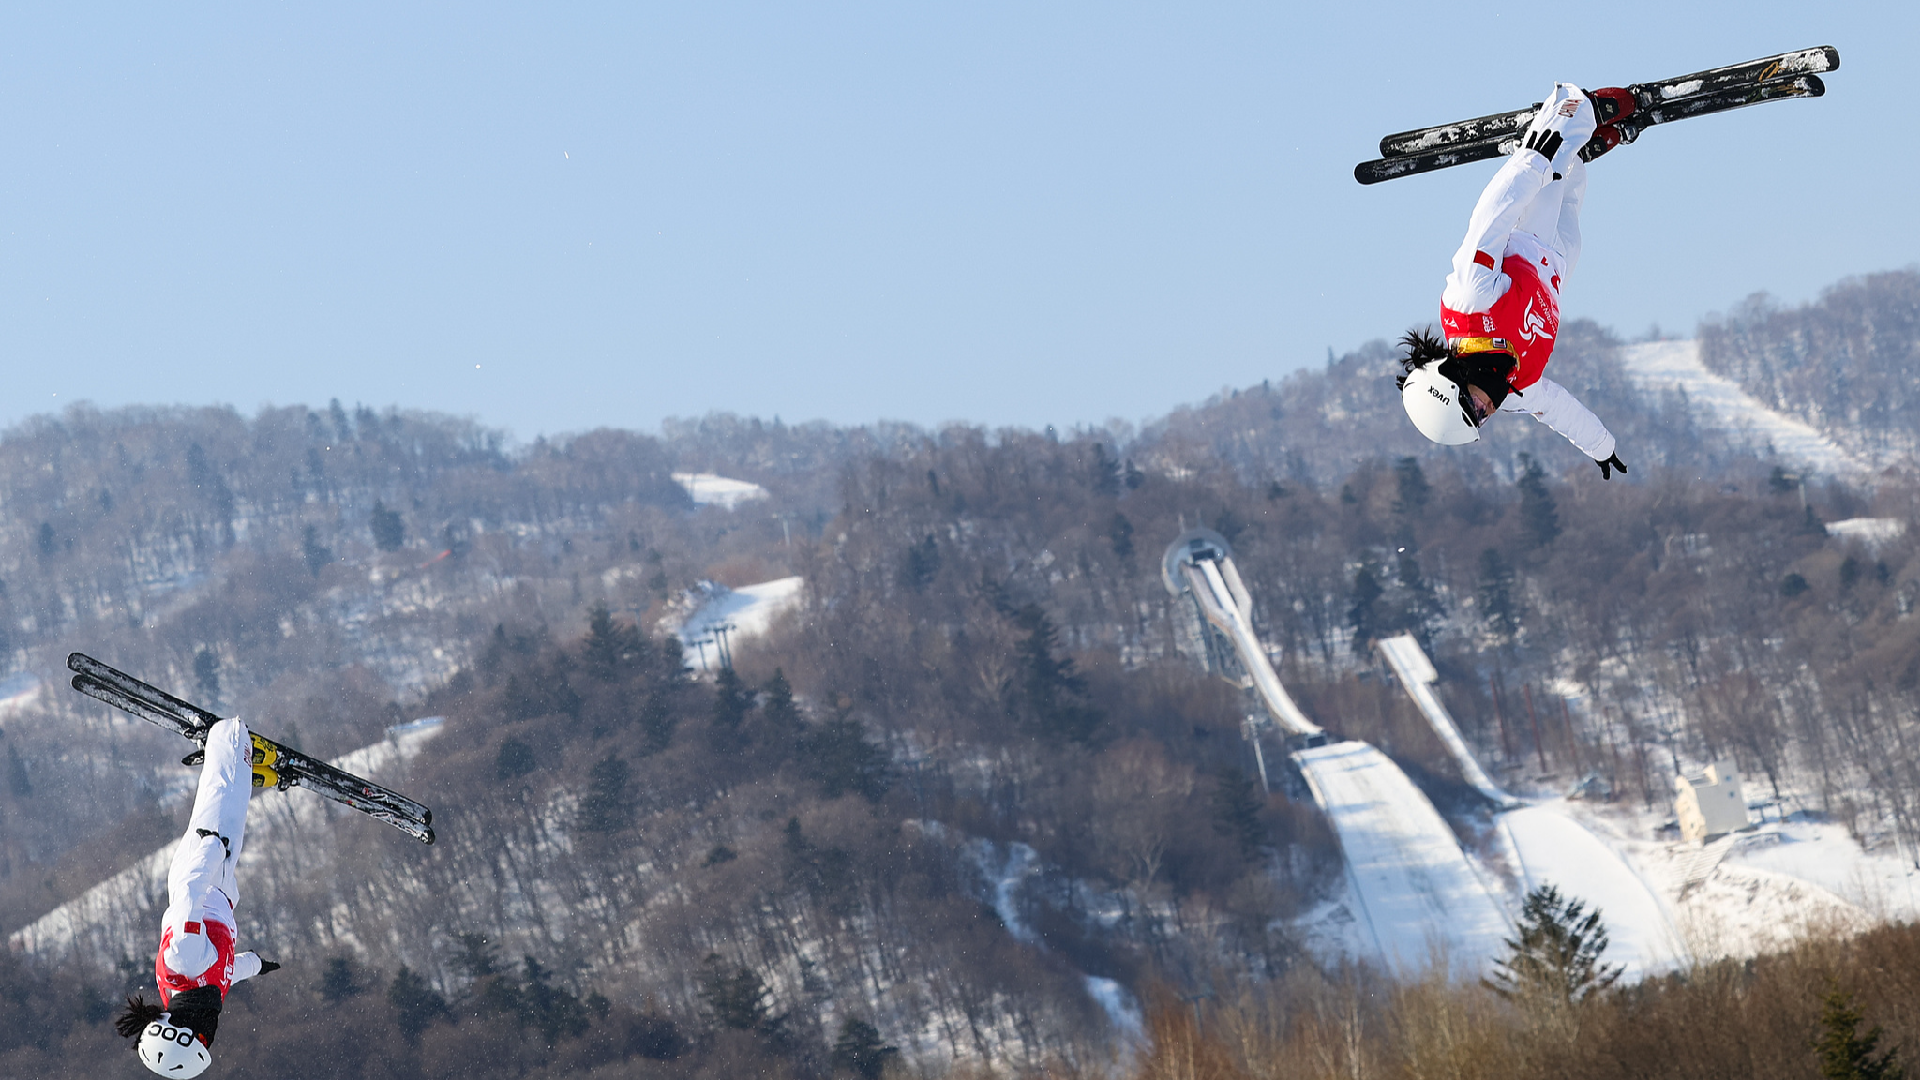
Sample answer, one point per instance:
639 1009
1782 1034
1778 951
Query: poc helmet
172 1051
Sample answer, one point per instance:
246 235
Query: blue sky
558 217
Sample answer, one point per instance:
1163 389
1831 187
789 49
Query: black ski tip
426 817
428 839
77 661
1833 57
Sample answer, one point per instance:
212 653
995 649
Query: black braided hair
1423 347
139 1013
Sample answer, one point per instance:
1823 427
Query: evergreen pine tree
206 676
657 719
859 1050
1120 535
388 531
514 759
1497 609
1414 491
736 995
731 703
1236 811
779 715
415 1004
316 554
1048 691
1557 959
339 981
611 645
842 760
922 563
1365 615
1539 519
1845 1054
608 805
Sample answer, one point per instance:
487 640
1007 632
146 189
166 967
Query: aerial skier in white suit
196 963
1501 307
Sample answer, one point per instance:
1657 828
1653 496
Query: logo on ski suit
1533 324
1527 315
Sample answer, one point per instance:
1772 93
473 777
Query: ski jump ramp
1549 848
1422 902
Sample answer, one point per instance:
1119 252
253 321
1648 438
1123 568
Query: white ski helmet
172 1051
1438 406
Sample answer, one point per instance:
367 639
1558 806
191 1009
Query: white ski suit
197 930
1522 241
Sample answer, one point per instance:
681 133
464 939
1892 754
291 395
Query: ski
292 768
1629 128
1645 96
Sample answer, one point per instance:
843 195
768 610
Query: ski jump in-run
1500 310
196 963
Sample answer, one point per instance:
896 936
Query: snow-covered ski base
1422 902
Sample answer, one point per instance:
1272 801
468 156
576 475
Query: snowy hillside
1719 404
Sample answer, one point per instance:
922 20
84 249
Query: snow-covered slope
1549 848
1719 403
712 489
745 612
1420 898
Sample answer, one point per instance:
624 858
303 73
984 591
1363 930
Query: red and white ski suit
1522 242
196 933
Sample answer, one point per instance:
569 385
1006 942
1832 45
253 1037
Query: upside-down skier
196 963
1500 310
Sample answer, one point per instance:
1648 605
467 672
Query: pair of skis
291 767
1770 78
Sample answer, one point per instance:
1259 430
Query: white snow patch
1122 1011
712 489
1760 891
1005 875
1871 531
1884 884
1720 403
745 612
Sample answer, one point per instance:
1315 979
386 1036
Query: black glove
1545 141
1612 463
268 965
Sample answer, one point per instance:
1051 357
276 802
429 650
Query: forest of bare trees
793 866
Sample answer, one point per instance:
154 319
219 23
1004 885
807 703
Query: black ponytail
139 1013
1423 347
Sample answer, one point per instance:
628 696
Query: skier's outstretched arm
248 964
1555 406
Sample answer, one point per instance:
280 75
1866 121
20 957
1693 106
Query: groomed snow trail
1720 403
1421 900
